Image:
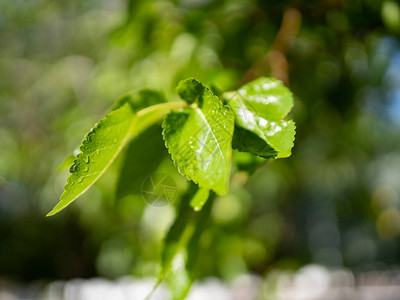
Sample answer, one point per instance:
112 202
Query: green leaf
104 142
101 146
280 135
259 109
267 97
199 137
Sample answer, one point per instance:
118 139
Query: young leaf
199 137
104 142
259 109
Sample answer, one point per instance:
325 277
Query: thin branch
275 60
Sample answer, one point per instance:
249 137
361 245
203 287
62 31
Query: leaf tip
59 207
51 213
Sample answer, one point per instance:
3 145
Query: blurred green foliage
335 201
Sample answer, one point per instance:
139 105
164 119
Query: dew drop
196 208
80 179
87 159
72 169
86 169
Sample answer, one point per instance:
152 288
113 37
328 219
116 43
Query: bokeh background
334 202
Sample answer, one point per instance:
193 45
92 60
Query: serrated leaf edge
264 137
168 106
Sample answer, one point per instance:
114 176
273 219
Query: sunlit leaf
260 108
199 137
104 142
267 97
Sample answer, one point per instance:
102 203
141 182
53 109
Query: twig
275 60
